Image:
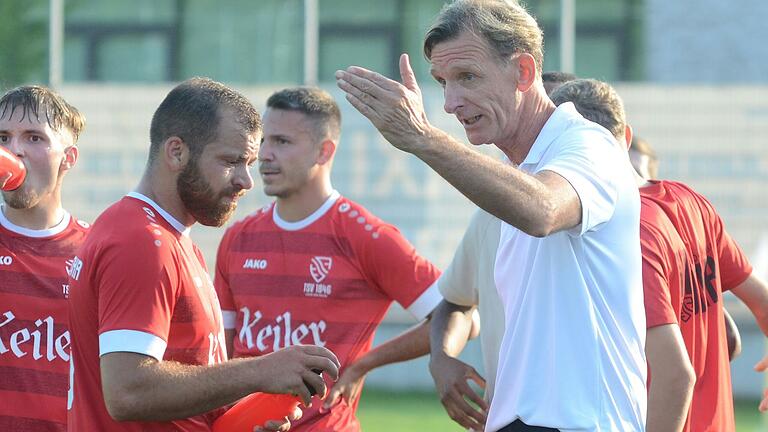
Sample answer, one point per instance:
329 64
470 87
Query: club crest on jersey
319 267
73 267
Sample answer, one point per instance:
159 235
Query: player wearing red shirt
147 336
688 261
315 267
687 290
38 239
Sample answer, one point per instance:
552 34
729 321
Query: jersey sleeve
657 253
393 265
221 281
137 295
458 283
734 264
590 163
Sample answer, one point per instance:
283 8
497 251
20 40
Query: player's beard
206 206
21 198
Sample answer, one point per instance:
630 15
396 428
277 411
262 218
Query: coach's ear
175 153
525 71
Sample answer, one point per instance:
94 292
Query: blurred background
693 75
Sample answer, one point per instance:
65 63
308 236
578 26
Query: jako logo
6 260
255 263
73 268
319 267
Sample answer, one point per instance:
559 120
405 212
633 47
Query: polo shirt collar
553 128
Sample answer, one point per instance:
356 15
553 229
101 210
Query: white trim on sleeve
132 341
426 302
229 319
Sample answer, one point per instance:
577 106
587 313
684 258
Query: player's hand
280 425
347 388
451 380
762 366
397 110
296 370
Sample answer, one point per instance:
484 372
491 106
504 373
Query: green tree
23 42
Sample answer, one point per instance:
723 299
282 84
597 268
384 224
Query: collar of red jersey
307 221
180 227
48 232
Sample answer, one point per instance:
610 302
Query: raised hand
396 109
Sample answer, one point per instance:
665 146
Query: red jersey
688 261
327 280
140 285
34 335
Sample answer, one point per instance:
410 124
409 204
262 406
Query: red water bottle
10 164
255 410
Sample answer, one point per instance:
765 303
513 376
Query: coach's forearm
518 198
161 391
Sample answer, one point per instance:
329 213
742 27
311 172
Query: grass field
382 411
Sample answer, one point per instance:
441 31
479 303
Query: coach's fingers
407 75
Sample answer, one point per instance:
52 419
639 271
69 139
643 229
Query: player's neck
167 197
299 205
39 217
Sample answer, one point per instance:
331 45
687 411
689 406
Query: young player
38 240
315 267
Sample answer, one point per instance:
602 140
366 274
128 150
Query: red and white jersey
688 261
34 335
327 280
139 285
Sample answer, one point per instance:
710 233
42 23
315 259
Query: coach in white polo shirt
568 264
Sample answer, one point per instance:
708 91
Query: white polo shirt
572 354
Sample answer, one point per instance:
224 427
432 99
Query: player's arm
450 329
754 293
409 345
140 388
672 379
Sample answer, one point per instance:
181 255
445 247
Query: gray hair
506 26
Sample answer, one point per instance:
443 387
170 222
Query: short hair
596 101
318 105
643 147
37 101
557 77
192 111
505 25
